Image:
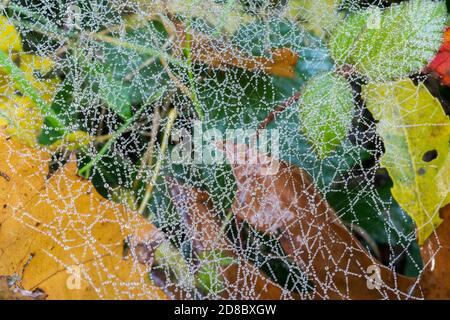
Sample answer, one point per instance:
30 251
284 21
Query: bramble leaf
326 111
391 43
416 135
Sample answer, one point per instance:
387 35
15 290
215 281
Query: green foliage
326 113
391 43
208 277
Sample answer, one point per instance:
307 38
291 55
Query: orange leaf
61 236
219 54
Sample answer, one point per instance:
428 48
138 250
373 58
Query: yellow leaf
416 134
23 119
72 141
61 236
31 63
10 38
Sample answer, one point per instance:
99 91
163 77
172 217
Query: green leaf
61 106
209 276
112 91
416 134
326 111
391 43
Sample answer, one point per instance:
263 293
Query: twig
272 115
148 156
148 192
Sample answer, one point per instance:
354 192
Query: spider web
123 66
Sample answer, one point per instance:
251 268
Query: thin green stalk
187 53
138 48
86 170
148 192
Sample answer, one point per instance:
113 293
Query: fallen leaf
416 134
436 258
280 199
220 54
242 280
61 236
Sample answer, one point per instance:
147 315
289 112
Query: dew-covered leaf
278 198
41 256
326 111
416 134
391 43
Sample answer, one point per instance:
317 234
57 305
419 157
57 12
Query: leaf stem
148 192
279 109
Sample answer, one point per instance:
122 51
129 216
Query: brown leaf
436 258
242 279
280 199
61 236
219 54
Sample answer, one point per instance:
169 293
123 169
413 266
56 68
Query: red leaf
440 65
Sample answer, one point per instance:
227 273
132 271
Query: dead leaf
280 199
219 54
436 258
61 236
242 279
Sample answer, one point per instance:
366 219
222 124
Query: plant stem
272 115
187 52
86 170
148 192
135 47
148 155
